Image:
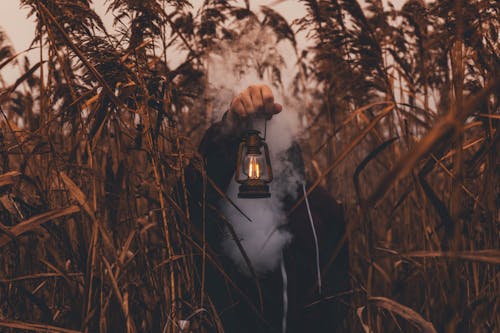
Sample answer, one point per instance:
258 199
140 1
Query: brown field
401 124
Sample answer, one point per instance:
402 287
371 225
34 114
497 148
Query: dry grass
93 140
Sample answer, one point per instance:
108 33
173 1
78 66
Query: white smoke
230 72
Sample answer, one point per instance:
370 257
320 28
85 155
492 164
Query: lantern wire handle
265 128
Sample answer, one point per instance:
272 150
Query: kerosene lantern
253 168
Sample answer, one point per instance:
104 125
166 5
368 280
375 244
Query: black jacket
237 301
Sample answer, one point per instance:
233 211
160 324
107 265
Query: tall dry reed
96 233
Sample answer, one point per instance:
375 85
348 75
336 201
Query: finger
268 99
237 107
247 103
256 96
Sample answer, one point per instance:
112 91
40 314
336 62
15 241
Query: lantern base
254 189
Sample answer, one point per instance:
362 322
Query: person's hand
253 101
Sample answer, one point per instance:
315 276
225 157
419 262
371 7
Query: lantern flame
253 168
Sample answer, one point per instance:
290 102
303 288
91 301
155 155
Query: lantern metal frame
253 188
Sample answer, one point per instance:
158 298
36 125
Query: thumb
277 108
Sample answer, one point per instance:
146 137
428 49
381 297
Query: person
241 303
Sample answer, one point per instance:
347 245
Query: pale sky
13 18
20 29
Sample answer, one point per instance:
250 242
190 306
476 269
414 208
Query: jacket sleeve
218 150
207 175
